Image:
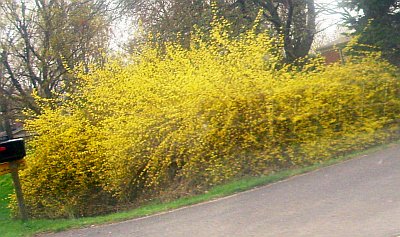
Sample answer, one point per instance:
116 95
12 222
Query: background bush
171 121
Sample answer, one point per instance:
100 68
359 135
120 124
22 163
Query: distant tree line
293 19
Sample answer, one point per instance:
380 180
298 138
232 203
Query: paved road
360 197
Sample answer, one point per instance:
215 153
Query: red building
333 52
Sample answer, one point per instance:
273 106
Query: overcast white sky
328 21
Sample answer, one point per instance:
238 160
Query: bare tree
42 39
294 19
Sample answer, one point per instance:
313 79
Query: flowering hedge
171 121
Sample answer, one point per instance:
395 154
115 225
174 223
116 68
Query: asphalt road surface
360 197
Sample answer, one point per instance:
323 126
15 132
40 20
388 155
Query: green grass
13 228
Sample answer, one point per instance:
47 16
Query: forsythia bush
175 120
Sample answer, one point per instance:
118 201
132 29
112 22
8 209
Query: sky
328 22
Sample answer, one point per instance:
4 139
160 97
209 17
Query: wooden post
18 190
14 169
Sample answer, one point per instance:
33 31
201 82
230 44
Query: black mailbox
12 150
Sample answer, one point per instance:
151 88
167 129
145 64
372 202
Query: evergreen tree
377 22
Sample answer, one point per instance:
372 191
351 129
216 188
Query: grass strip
15 228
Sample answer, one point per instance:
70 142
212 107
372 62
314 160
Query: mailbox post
11 152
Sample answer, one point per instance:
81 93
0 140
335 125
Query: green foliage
171 120
6 190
